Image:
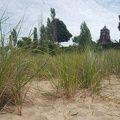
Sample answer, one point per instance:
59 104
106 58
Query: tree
13 37
35 36
62 34
20 43
10 41
85 36
53 25
56 29
43 35
76 40
52 10
49 30
119 23
25 42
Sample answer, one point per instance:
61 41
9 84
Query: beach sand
42 103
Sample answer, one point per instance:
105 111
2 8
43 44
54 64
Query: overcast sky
96 13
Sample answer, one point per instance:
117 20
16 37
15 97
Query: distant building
104 36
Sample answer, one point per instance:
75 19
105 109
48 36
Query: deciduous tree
85 36
62 33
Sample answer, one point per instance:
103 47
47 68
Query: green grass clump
110 62
77 70
66 71
83 70
14 74
17 68
90 76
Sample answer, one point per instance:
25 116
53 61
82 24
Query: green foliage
76 40
67 74
48 28
35 36
62 34
56 29
83 70
54 33
43 35
75 71
90 71
119 24
26 42
10 41
71 70
20 43
70 49
15 70
13 37
85 36
110 46
110 62
52 10
53 48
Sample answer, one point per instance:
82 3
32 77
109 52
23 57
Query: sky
96 13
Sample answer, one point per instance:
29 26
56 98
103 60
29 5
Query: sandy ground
84 106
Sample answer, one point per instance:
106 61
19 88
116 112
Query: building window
103 33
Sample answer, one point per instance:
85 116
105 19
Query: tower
104 36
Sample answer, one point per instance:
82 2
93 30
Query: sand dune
84 106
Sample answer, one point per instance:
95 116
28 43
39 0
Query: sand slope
83 107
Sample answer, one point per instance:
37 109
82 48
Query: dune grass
17 68
76 70
84 70
68 72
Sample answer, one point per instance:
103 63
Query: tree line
51 36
